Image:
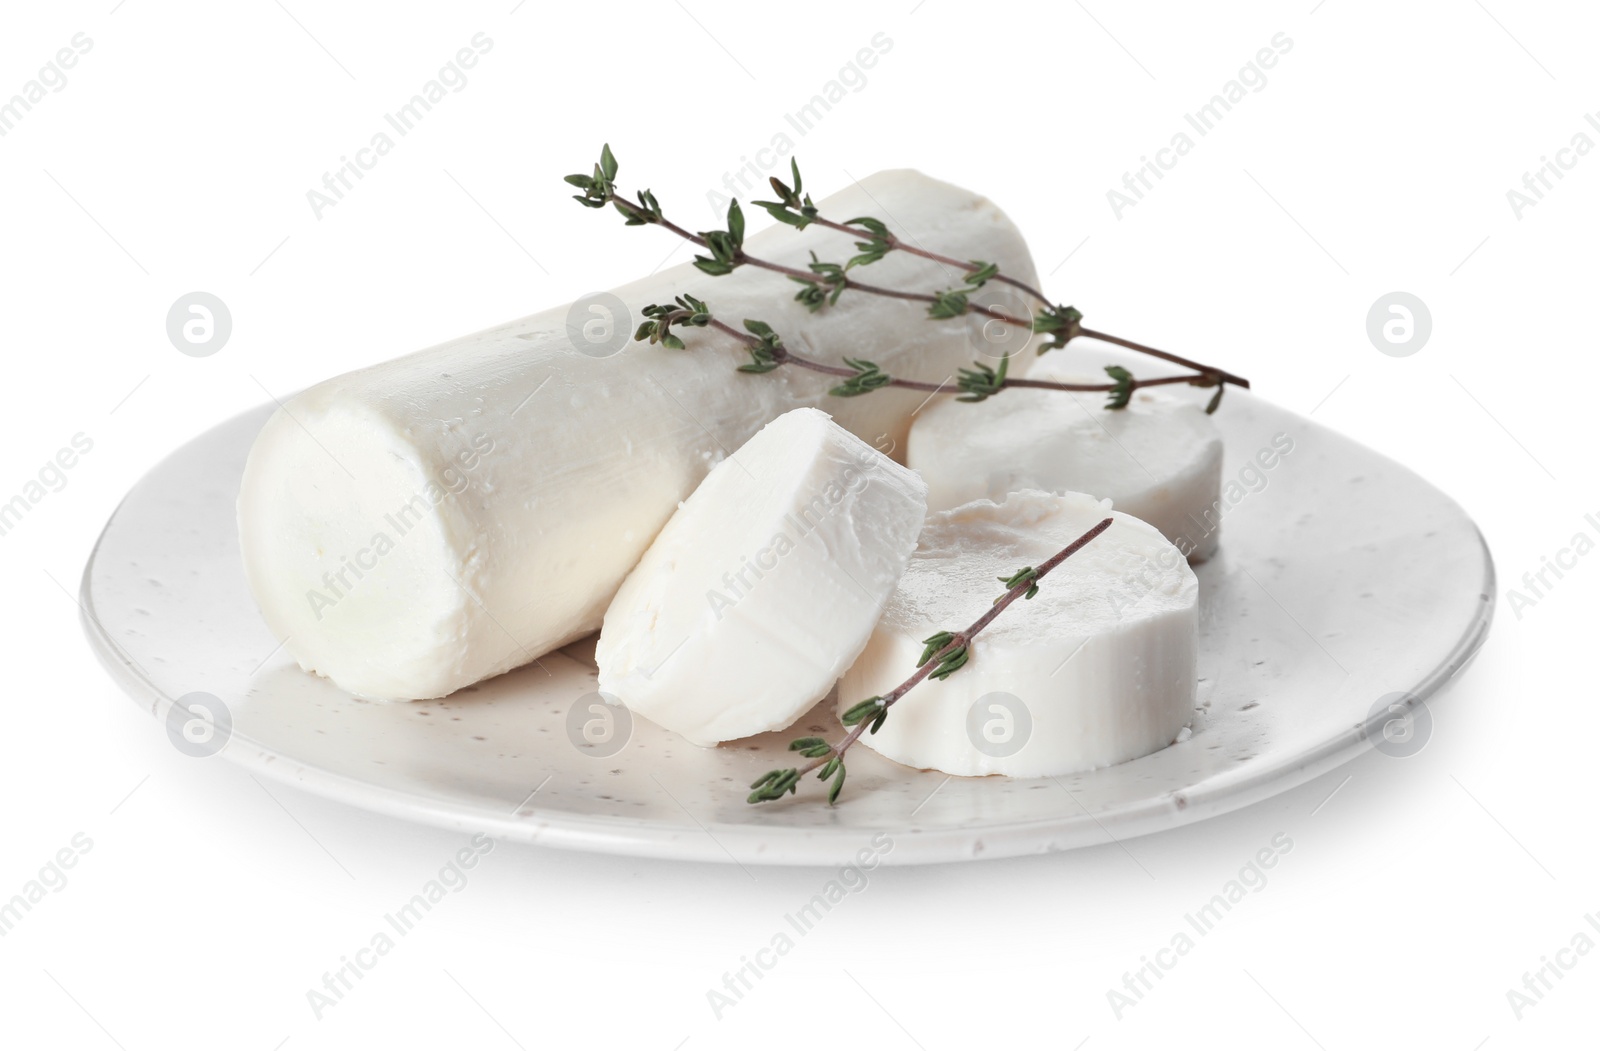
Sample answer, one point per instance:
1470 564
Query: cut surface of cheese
1097 668
762 589
1159 459
413 527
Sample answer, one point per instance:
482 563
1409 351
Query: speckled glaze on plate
1343 580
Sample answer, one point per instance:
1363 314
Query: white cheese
763 588
413 527
1097 668
1159 459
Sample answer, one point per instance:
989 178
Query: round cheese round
1159 459
762 589
1097 668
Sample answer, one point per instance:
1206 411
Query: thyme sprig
826 281
1122 391
981 381
822 289
943 654
767 353
687 310
868 377
766 346
1025 575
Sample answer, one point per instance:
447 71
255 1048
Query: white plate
1344 581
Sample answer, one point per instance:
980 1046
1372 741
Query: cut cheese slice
763 588
416 526
1097 668
1159 459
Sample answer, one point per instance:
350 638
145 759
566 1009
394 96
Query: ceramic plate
1345 586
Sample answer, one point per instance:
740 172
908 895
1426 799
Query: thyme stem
784 356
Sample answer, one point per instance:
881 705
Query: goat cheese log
1097 668
1159 459
763 588
413 527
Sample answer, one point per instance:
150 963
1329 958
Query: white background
1377 158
